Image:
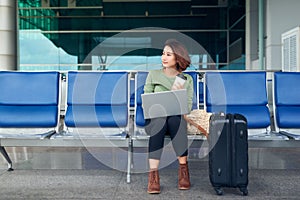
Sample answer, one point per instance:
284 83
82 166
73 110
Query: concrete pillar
8 35
252 34
261 34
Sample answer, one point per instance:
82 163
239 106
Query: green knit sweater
157 81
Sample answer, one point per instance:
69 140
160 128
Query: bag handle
200 128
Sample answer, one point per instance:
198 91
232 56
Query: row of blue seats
97 109
32 100
98 106
245 93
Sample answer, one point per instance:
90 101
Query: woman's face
168 57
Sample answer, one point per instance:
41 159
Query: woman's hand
177 86
186 117
179 82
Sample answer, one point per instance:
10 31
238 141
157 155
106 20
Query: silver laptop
162 104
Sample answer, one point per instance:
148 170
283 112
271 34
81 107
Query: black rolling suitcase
228 156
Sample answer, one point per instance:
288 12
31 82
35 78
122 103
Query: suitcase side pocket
241 150
218 155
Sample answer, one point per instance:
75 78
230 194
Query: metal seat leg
4 153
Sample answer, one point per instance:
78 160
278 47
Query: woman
175 60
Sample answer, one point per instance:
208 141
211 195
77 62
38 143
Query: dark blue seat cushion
28 116
257 116
29 99
288 116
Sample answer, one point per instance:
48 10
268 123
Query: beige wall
281 16
8 39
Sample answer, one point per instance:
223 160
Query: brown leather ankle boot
183 177
153 182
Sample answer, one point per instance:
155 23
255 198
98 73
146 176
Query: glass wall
115 34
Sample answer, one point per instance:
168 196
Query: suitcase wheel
244 191
218 190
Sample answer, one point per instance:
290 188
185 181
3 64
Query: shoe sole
183 188
153 192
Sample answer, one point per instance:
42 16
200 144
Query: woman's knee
155 126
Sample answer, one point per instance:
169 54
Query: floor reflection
116 158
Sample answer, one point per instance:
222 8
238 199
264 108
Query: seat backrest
286 99
239 92
29 99
201 92
287 88
140 80
236 88
97 88
132 92
97 99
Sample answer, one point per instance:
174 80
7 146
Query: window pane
71 36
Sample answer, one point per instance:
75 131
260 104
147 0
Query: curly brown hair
181 54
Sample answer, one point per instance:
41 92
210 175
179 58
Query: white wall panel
281 16
8 42
8 55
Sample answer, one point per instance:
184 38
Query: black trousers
158 128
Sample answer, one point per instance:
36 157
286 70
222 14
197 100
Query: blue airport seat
140 79
286 103
139 136
29 107
97 109
240 92
98 100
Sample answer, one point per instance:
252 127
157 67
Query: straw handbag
198 122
